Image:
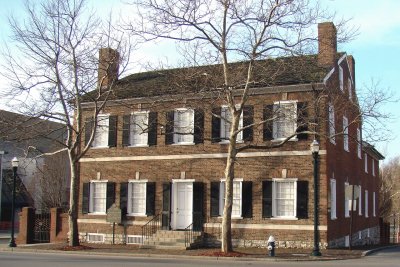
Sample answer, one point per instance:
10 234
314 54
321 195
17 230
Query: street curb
165 256
372 251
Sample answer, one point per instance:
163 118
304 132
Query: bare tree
389 191
53 63
50 184
225 31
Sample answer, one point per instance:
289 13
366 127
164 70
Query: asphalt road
389 257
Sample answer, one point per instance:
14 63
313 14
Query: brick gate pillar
26 225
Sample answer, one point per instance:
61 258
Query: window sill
333 142
97 213
285 218
183 144
226 142
233 217
333 218
281 139
99 147
136 215
133 146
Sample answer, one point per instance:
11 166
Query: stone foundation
368 236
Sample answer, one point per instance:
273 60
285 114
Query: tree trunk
226 240
73 234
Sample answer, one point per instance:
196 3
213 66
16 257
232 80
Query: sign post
114 216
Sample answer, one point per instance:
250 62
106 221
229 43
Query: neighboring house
27 138
159 154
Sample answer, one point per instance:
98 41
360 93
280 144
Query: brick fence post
54 221
26 225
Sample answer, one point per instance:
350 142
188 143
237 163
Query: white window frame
373 166
277 120
100 139
333 199
346 201
275 181
238 182
366 162
226 119
366 203
97 235
350 87
139 137
360 202
359 154
184 139
341 83
332 126
373 204
346 134
131 197
92 203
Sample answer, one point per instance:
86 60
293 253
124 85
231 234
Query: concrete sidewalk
242 254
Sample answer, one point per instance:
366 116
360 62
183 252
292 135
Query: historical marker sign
114 214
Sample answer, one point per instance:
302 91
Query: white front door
182 205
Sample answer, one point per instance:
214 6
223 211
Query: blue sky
376 49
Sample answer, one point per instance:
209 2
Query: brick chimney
327 44
108 66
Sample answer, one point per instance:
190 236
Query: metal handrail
190 230
151 227
189 235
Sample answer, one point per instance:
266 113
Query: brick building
160 150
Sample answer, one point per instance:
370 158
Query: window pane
139 125
101 135
138 198
285 119
237 201
184 126
226 124
285 195
99 197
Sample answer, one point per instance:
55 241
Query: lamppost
314 150
14 164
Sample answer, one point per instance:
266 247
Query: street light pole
315 150
14 164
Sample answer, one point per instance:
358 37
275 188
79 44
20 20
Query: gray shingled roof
270 72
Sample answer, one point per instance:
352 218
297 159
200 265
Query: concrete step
164 239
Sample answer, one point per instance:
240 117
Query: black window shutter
152 134
123 197
198 200
302 199
126 130
110 195
267 199
85 197
112 131
216 126
169 128
166 206
150 198
214 201
88 129
268 122
302 120
247 199
198 126
248 119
